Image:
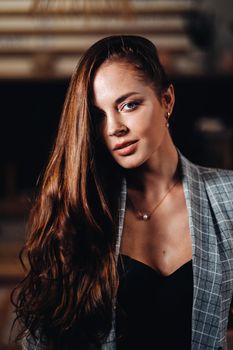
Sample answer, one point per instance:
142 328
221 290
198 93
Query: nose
115 126
119 131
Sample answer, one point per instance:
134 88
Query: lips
126 148
123 145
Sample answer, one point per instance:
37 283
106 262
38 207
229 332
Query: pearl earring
167 119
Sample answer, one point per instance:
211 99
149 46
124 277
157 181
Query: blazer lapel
207 275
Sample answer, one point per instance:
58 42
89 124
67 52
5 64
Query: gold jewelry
146 216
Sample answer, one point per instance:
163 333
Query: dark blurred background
40 44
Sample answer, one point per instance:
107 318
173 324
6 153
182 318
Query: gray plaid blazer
209 199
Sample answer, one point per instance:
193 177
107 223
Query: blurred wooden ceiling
45 41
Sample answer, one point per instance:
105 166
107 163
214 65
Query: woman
130 245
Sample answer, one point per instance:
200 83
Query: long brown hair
70 249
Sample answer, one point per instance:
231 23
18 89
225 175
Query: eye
130 106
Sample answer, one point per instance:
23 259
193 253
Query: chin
130 163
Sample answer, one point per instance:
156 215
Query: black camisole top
153 311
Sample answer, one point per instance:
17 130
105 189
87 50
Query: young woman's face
131 118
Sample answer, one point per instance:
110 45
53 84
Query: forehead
116 78
111 70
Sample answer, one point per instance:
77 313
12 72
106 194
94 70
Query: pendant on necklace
145 217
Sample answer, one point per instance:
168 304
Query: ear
168 98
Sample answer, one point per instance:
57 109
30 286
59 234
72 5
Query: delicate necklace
146 216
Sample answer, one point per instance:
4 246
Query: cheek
153 127
149 122
99 130
102 134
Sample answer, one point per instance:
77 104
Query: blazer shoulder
213 176
216 176
218 183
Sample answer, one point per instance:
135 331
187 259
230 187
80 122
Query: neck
156 175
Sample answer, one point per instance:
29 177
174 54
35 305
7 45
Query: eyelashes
130 106
125 107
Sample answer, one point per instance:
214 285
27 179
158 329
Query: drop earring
167 119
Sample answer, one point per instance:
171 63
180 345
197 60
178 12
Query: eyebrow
125 96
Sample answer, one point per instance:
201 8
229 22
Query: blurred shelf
41 39
16 7
73 44
96 24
